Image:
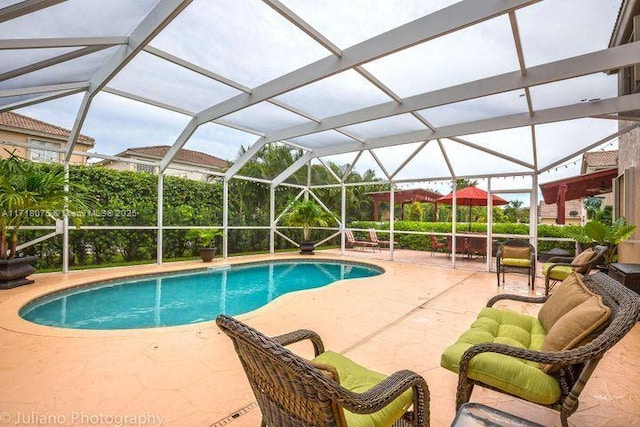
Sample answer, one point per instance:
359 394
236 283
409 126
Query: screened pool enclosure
508 93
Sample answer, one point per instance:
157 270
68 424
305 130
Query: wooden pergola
403 197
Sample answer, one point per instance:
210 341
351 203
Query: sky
250 43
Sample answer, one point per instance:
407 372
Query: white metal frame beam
595 62
157 19
8 44
440 23
59 59
569 112
24 8
39 99
43 89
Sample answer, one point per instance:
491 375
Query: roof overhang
580 186
406 196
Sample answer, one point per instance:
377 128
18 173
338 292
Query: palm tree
27 189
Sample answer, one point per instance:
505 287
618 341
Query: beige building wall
629 149
197 173
25 153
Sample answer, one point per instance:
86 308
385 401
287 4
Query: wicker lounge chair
352 243
516 256
292 391
373 236
559 268
531 371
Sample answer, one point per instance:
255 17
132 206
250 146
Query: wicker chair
512 257
558 268
578 364
292 392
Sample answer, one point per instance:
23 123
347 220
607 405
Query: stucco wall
629 156
25 138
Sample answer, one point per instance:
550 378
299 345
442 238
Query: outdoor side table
478 415
627 274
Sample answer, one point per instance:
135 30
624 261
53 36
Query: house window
623 193
45 154
144 168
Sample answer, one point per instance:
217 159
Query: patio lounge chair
546 359
559 268
329 390
373 236
436 244
351 242
516 256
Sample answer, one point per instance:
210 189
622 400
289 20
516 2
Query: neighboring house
547 213
187 163
595 161
39 139
626 188
592 161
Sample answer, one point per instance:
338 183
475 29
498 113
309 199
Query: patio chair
559 268
478 246
373 236
436 244
330 390
516 256
351 242
546 359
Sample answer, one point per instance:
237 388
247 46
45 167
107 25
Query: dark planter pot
307 248
207 254
13 272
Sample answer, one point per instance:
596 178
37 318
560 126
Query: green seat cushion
359 379
516 262
560 272
519 377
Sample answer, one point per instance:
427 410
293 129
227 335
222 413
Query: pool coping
18 298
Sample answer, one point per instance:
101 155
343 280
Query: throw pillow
568 295
582 258
516 252
576 328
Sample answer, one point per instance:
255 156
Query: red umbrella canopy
472 196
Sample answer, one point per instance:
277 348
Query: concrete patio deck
190 376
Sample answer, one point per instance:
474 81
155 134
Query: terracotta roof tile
601 158
15 120
184 155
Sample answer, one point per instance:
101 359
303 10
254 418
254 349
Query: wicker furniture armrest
386 391
513 297
301 335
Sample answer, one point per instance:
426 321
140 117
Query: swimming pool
181 298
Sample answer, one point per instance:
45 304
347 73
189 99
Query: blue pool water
186 297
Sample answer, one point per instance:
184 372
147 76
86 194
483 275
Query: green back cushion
513 375
559 272
516 252
568 295
359 379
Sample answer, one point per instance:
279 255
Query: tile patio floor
190 376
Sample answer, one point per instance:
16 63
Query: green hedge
423 242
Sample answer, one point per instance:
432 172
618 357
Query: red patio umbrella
471 196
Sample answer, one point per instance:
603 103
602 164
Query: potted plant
603 234
306 214
30 190
204 240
